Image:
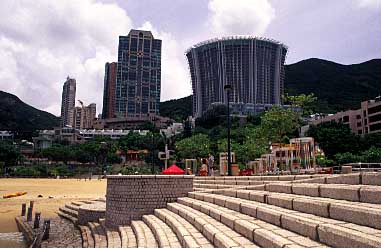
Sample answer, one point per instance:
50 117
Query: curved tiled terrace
256 211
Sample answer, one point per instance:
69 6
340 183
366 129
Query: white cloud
239 17
43 41
175 80
375 4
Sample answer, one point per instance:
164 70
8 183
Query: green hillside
337 87
17 116
178 109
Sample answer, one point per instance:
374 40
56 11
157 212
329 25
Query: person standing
210 165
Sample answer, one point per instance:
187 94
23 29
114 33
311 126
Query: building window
374 118
375 109
375 127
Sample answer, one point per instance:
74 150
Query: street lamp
153 154
227 88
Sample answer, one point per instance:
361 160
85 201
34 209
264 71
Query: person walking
210 165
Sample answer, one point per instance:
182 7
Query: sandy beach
61 191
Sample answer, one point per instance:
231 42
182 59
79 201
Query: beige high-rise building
84 116
68 102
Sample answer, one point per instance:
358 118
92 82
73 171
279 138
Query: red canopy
173 170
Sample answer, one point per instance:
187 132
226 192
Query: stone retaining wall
91 212
130 197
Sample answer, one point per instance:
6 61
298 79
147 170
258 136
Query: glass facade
254 67
138 80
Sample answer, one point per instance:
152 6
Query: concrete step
144 235
212 186
356 193
68 217
259 232
112 235
77 203
127 237
365 178
113 238
87 238
186 233
99 236
315 227
69 211
231 183
72 206
217 232
257 178
163 233
365 214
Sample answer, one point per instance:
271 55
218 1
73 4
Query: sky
44 41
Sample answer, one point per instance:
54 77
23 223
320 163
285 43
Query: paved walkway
63 234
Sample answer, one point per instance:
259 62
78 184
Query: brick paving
63 234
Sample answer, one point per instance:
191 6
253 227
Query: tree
9 155
59 153
305 102
278 123
214 116
373 155
335 137
133 141
197 146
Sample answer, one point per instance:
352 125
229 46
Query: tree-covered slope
15 115
177 109
337 87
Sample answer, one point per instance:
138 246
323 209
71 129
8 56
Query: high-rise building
84 116
138 80
254 67
68 102
109 90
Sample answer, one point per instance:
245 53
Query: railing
359 167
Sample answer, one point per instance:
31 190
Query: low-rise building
365 120
44 140
132 122
73 135
6 135
172 130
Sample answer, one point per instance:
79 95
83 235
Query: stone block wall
130 197
91 212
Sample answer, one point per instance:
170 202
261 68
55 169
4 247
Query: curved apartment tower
253 66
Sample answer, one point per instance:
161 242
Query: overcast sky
44 41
